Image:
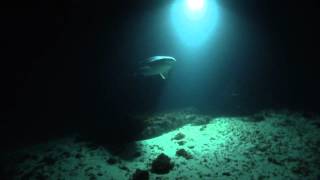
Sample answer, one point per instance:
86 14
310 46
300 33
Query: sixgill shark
157 65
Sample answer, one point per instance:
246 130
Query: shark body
157 65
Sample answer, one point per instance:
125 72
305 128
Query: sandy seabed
272 145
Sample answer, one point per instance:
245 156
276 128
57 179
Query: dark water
68 67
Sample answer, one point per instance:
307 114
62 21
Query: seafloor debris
140 175
162 164
183 153
181 143
283 145
179 136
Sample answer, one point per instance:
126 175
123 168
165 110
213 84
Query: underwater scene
160 90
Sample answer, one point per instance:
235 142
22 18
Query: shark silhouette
157 65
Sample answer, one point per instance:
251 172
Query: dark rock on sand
140 175
183 153
162 164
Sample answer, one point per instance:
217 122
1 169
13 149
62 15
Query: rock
162 164
181 143
203 127
179 136
183 153
140 175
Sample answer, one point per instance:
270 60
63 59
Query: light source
195 5
194 20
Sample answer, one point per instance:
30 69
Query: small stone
190 147
179 136
140 175
203 127
183 153
181 143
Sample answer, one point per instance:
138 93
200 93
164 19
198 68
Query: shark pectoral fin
163 77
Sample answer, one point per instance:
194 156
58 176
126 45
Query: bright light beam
195 5
194 20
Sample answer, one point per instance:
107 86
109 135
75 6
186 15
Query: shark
157 65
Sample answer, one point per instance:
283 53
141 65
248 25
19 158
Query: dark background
64 64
